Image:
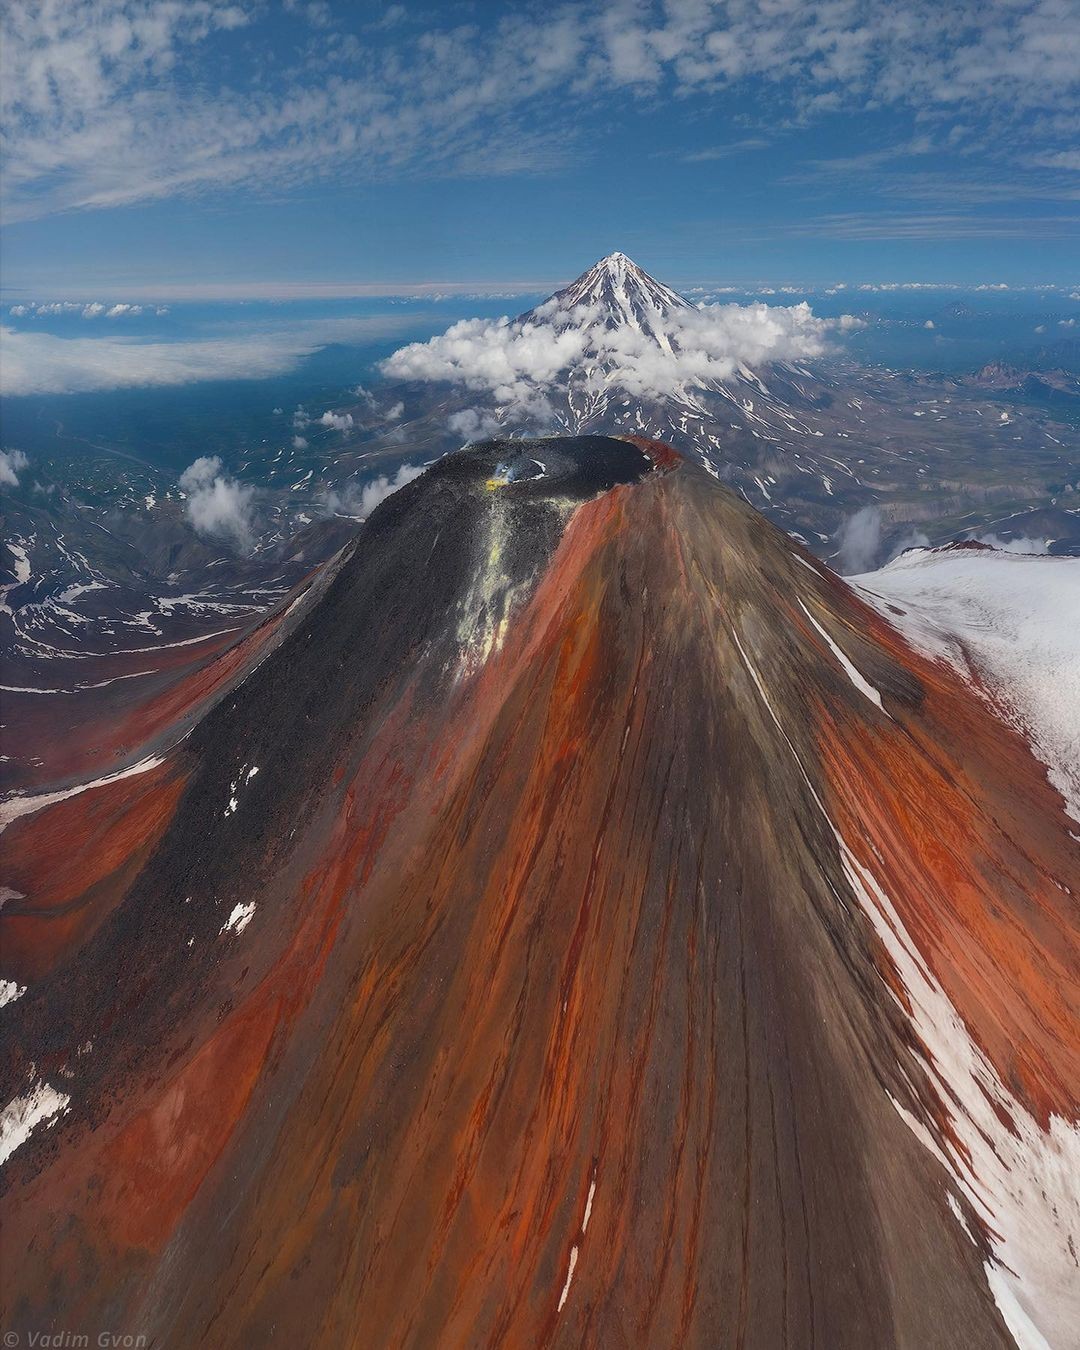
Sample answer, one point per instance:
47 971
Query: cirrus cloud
110 102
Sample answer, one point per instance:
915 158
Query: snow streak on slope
1019 1178
1011 620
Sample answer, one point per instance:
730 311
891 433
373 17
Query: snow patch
239 919
10 991
42 1104
1020 1180
1012 619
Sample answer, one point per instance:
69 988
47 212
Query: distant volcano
620 294
618 350
575 918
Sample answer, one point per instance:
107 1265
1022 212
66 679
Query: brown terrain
580 921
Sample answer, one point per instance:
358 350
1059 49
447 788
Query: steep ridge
592 924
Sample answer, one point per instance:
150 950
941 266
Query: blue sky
160 149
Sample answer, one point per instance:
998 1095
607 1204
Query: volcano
576 917
649 362
621 294
735 387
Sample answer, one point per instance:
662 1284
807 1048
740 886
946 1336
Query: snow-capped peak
618 294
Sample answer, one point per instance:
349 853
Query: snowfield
1013 621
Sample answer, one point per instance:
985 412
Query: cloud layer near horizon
42 363
518 362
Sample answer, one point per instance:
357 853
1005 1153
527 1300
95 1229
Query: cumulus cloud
218 506
516 362
299 443
359 500
337 421
859 541
394 413
200 472
49 309
11 463
1022 543
929 324
474 424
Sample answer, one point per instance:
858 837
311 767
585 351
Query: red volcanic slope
591 925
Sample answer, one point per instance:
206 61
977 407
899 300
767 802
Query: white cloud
1023 543
48 309
218 506
394 413
40 363
11 463
337 421
200 472
518 362
359 502
474 424
929 324
43 363
100 95
859 540
299 443
1060 159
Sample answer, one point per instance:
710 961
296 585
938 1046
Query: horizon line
285 291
